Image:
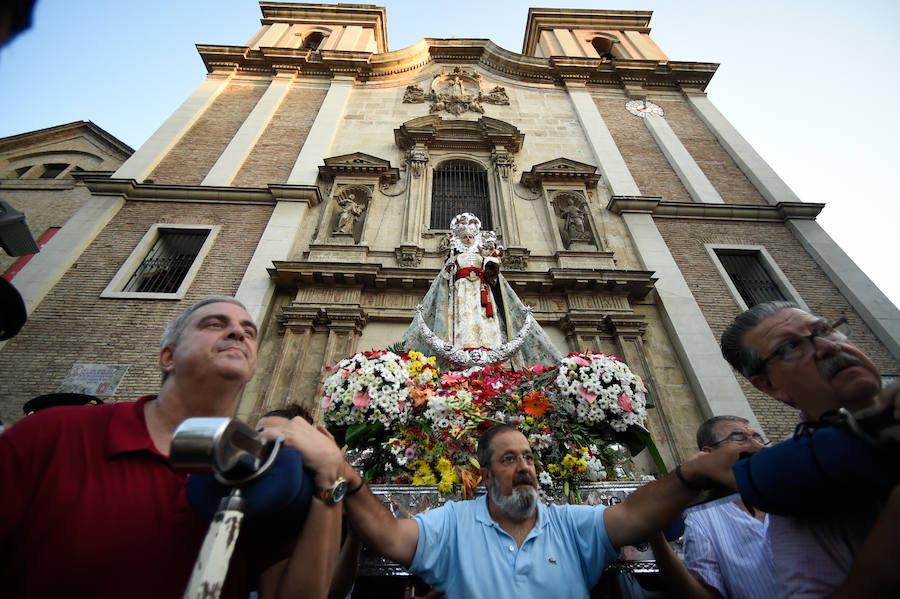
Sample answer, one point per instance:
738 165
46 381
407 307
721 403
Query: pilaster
696 183
234 155
321 134
142 162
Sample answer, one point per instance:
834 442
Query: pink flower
361 399
326 402
587 395
345 372
580 361
624 402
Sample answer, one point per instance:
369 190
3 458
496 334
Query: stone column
234 155
712 381
416 193
872 305
629 331
503 165
280 235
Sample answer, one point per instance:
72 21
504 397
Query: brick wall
74 324
686 239
44 208
649 167
197 151
711 157
276 151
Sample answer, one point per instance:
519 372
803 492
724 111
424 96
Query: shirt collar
127 431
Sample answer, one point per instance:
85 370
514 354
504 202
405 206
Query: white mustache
829 366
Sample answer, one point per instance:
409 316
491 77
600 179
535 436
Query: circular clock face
644 108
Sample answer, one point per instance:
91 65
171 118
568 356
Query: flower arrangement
408 423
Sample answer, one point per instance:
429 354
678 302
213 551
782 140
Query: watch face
644 108
339 491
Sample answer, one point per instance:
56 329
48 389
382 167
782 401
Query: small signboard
99 380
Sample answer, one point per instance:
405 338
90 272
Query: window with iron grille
164 262
460 186
750 277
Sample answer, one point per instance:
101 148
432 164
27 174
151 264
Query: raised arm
394 538
308 571
656 504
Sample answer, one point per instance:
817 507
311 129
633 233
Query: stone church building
636 220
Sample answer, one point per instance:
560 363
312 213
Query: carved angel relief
456 92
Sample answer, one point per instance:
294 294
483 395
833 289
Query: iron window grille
750 277
168 261
460 186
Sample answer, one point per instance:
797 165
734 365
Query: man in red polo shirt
89 503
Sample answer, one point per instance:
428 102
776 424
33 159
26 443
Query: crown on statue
465 223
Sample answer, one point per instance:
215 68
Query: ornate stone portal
456 92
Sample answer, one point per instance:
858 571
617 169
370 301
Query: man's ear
485 476
764 384
167 359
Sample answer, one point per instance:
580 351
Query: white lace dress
471 325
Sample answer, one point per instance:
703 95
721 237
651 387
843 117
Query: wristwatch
335 493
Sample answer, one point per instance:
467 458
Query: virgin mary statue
471 315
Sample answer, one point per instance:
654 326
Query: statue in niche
575 221
350 212
470 305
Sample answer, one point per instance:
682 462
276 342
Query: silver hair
172 333
743 359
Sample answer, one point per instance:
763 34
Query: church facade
313 175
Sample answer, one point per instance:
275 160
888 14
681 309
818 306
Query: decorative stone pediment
561 170
433 132
358 164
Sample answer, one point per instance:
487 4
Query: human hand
315 444
715 466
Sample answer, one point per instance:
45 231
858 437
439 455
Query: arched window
313 40
603 46
460 186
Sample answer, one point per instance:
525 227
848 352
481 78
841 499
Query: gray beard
518 505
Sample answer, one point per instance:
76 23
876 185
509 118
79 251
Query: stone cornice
754 212
434 132
363 66
635 284
359 164
130 189
561 170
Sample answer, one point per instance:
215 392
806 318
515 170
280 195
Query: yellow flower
443 465
529 420
553 468
568 462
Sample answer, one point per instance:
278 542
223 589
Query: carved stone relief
456 92
409 256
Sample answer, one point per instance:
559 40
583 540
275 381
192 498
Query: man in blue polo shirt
507 543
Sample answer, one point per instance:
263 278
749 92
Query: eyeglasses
510 459
740 438
801 348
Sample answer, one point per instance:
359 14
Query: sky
812 85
